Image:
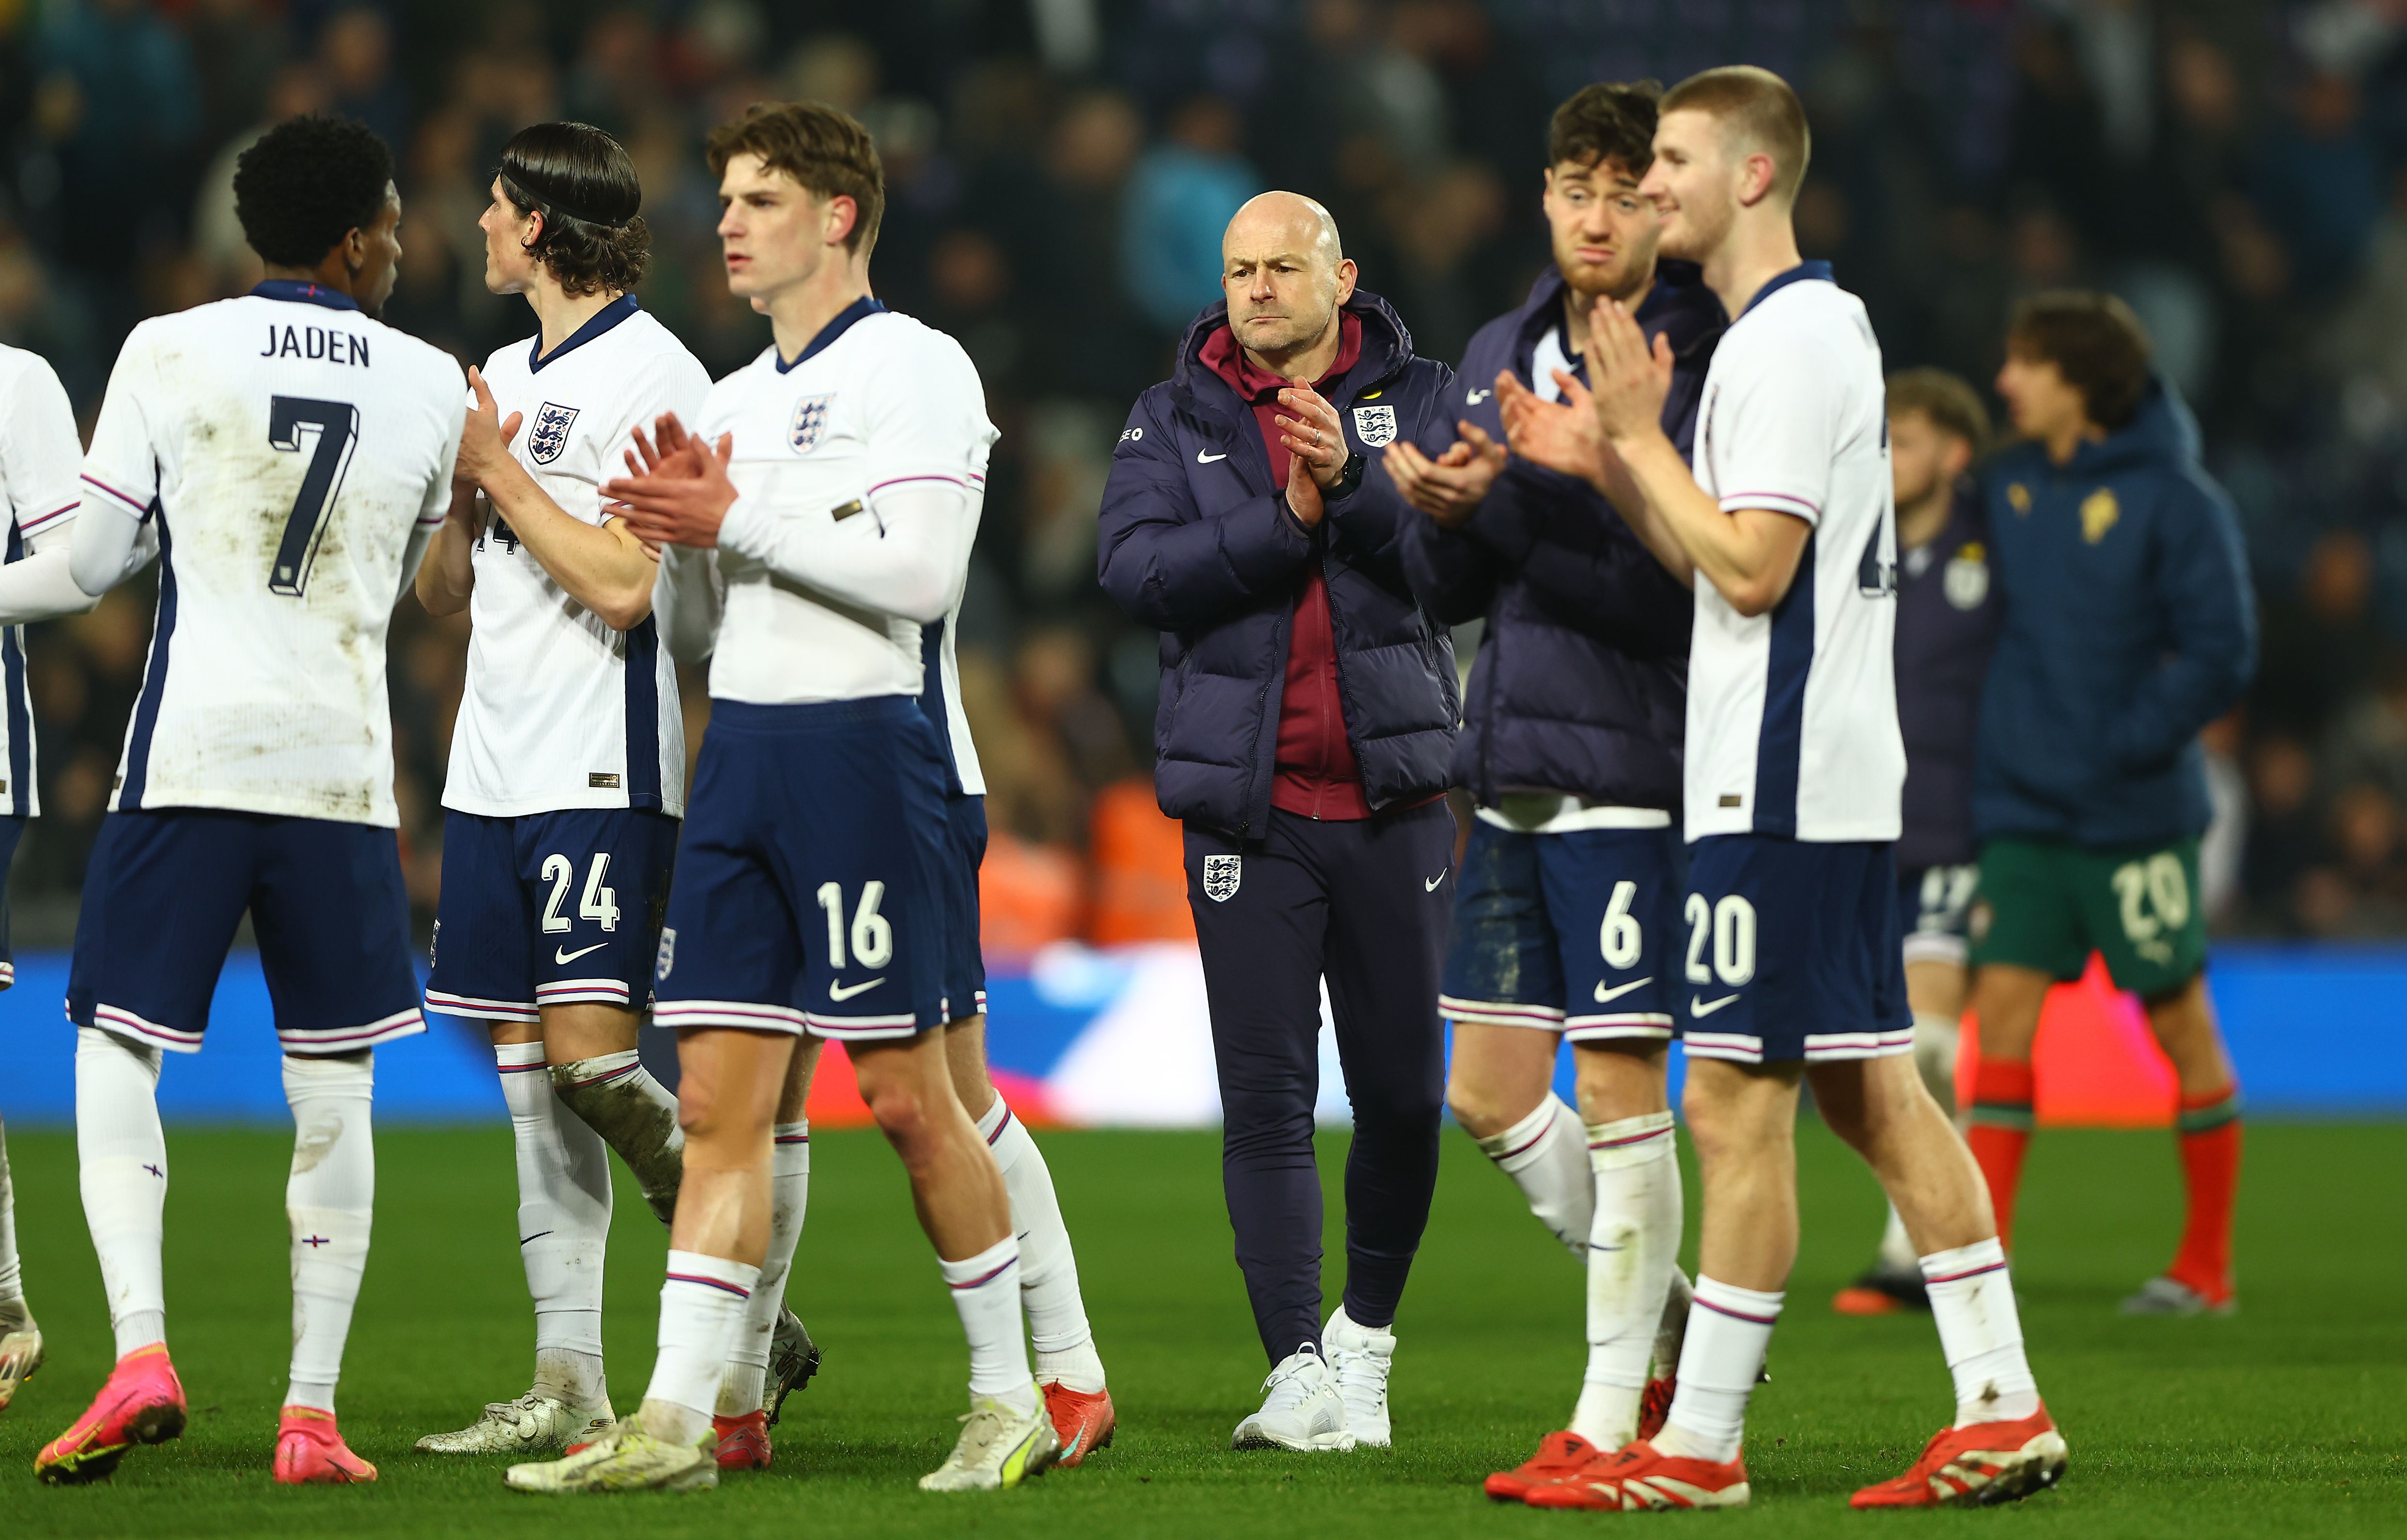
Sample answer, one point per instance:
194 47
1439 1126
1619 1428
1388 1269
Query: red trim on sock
2198 1100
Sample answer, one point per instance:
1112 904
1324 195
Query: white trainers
20 1354
625 1459
1000 1446
531 1424
1358 1358
1301 1408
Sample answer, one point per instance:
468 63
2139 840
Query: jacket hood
1386 344
2164 435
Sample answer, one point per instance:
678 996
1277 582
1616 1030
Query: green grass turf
2284 1420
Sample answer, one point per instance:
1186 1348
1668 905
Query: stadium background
1060 171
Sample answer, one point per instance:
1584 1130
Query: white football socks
1729 1332
12 1271
635 1115
331 1203
1548 1160
1972 1302
1632 1247
743 1388
702 1310
564 1226
985 1290
1058 1328
121 1170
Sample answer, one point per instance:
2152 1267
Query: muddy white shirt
286 446
560 710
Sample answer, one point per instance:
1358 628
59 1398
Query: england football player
567 775
1791 782
39 458
293 456
1947 619
816 520
1570 901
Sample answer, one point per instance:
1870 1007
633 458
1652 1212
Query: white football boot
531 1424
1302 1409
998 1447
20 1354
625 1459
1359 1358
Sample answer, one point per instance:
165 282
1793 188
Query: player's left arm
1750 553
39 459
603 567
2198 582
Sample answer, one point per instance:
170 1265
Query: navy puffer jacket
1195 542
2130 625
1581 682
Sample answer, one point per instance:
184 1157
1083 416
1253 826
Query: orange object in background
1140 868
2095 1065
1029 897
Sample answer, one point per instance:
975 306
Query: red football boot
744 1441
310 1451
142 1402
1559 1455
1085 1422
1977 1466
1655 1407
1639 1476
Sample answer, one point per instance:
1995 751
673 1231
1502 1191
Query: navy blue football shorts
561 908
964 853
1934 911
1573 933
166 888
810 891
1791 951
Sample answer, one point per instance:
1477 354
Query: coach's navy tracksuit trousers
1365 904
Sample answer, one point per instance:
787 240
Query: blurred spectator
1180 197
355 49
2320 641
118 102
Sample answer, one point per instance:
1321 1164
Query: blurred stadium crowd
1060 172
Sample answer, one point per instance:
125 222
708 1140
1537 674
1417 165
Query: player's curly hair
584 185
308 182
1610 121
824 149
2096 343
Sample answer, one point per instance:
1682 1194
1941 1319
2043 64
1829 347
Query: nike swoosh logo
1203 459
1430 885
846 991
1476 397
529 1240
1603 995
1705 1007
562 956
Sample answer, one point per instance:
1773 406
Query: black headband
555 208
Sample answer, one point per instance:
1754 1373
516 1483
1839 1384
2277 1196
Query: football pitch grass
2284 1420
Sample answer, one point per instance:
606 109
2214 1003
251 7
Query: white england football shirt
1792 714
287 445
876 402
39 457
560 710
